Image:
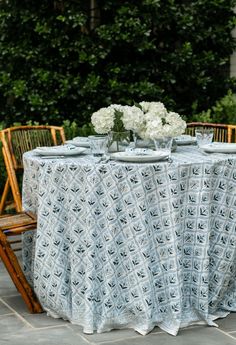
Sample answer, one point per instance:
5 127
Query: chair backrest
222 132
15 142
19 140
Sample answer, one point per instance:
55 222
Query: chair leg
13 267
4 196
12 180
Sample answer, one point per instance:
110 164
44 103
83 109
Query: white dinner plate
152 156
79 141
219 147
185 140
62 150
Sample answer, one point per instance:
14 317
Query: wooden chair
232 133
15 142
12 225
222 132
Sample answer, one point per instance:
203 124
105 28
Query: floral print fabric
133 245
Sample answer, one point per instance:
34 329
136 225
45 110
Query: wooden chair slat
15 222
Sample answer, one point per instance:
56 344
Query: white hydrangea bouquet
117 118
148 120
159 123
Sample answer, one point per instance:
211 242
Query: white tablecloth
133 245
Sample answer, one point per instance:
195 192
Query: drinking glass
204 136
98 145
164 145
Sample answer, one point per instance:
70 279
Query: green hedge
223 111
56 66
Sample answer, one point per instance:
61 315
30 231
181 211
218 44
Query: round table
133 244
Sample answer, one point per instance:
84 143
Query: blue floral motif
133 245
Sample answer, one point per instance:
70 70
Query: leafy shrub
56 65
204 116
72 130
224 111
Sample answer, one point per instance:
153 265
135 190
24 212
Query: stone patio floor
19 327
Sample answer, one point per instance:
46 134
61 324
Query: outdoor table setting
132 244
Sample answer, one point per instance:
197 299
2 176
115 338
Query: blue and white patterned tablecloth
133 245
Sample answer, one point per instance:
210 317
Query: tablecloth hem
171 327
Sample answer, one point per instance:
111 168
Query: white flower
153 121
145 106
159 122
118 107
133 118
129 118
157 108
153 128
177 124
103 120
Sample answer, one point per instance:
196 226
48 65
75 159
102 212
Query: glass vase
118 141
142 143
164 145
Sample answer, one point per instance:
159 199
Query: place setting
217 147
60 151
100 149
140 155
74 147
206 145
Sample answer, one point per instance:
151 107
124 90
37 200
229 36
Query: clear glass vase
118 141
163 144
142 143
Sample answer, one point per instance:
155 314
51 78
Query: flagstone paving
19 327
